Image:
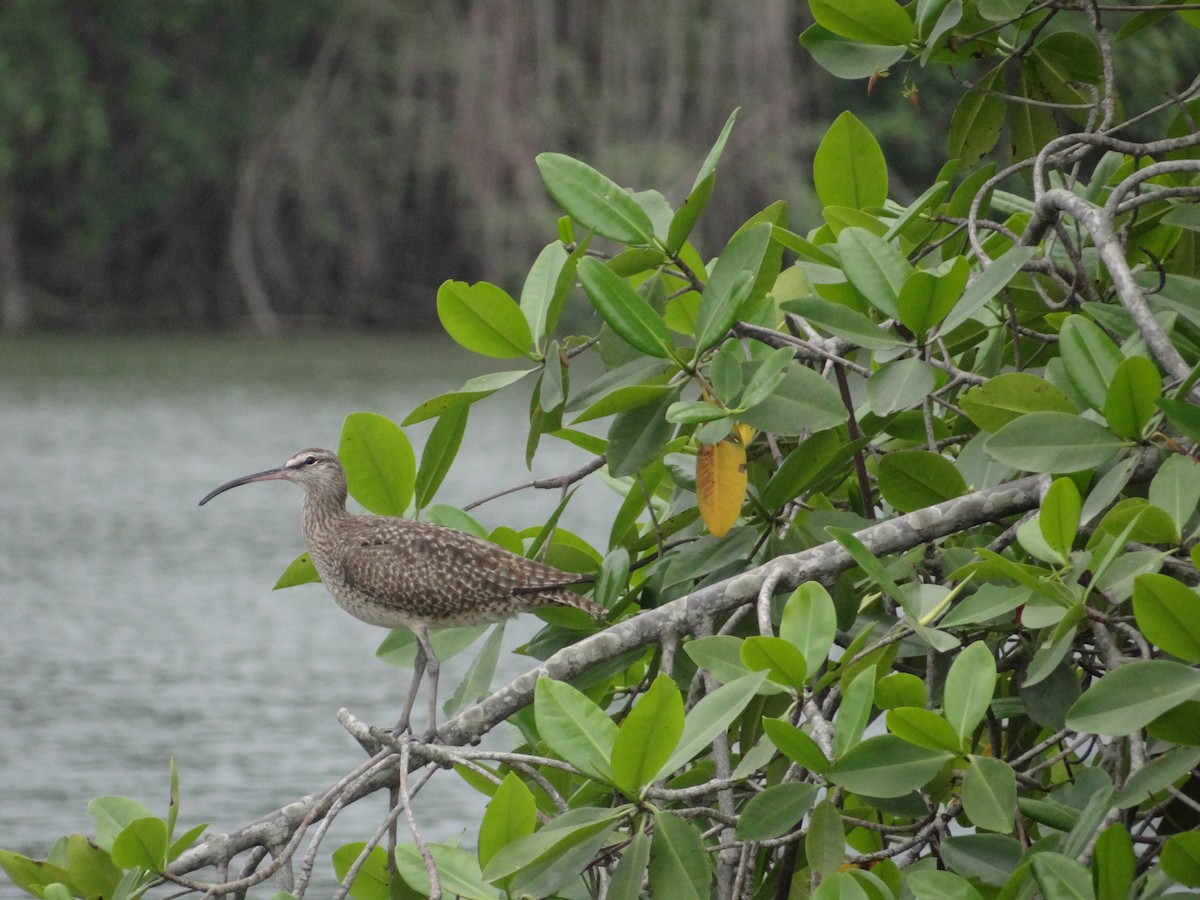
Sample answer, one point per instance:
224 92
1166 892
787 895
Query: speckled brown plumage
400 573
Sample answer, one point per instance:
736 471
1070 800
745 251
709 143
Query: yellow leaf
720 484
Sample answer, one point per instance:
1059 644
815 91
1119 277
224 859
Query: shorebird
401 573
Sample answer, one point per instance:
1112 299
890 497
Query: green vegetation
902 591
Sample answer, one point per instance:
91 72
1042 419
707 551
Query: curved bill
269 475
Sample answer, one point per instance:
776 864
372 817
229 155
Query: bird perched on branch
401 573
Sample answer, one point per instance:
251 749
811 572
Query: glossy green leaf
780 659
932 884
803 401
439 453
989 794
371 882
380 465
801 467
25 873
1089 357
510 814
775 811
458 871
1181 858
845 58
1133 396
868 21
647 737
1006 397
989 602
679 866
977 121
689 213
991 858
593 200
901 384
849 168
623 398
809 622
875 267
637 436
484 319
987 285
477 683
721 654
1060 877
858 694
545 290
712 715
1160 772
1176 488
825 843
1183 415
625 311
925 298
91 870
795 744
299 571
1168 614
143 842
574 727
843 322
914 479
886 766
1059 516
627 879
542 863
1052 442
1132 696
902 689
111 815
923 727
474 389
1114 863
733 276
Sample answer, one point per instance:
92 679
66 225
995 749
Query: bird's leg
418 670
434 668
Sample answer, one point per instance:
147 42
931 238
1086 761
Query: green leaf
712 715
545 290
477 683
734 273
637 436
647 737
626 312
780 659
977 120
843 322
679 866
594 201
1059 516
1090 359
623 398
803 401
27 873
845 58
1132 696
1114 863
1133 396
795 744
1176 489
875 267
809 622
91 871
542 863
299 571
626 883
801 467
1159 773
143 842
1052 442
574 727
439 452
379 462
1181 858
901 384
1060 877
775 811
484 319
858 694
458 871
510 814
886 766
1167 614
901 689
849 168
989 793
869 21
475 389
914 479
923 727
932 884
925 298
110 815
993 279
371 882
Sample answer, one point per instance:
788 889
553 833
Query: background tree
901 592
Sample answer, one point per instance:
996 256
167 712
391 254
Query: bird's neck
322 508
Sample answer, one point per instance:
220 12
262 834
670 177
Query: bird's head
311 469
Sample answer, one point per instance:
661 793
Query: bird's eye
309 460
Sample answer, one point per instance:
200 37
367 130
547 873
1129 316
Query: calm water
135 626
